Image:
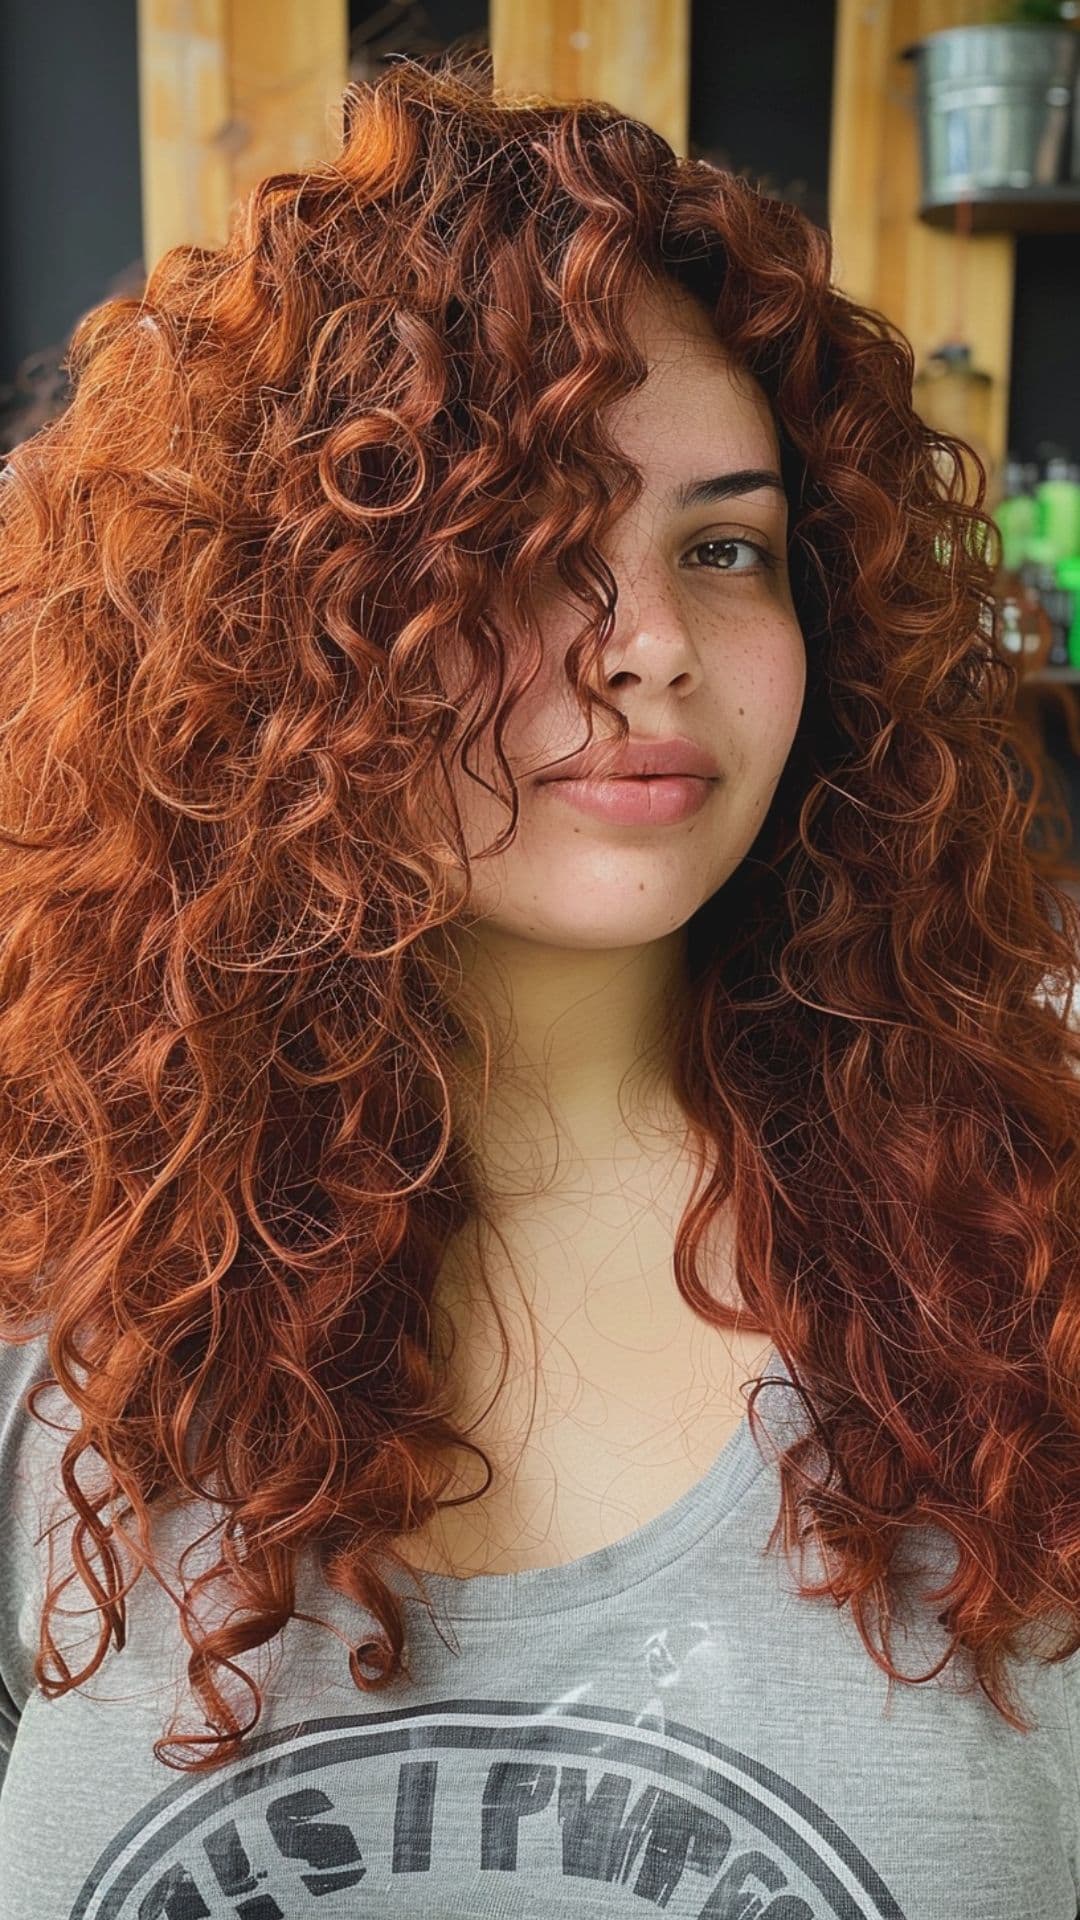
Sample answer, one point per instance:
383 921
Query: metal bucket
995 106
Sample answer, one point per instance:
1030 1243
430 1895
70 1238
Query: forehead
695 403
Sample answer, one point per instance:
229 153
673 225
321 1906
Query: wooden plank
856 161
288 64
637 57
183 105
230 90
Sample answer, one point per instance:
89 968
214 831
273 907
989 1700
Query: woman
414 1141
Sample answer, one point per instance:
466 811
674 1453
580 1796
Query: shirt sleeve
21 1585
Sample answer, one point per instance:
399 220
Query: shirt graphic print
544 1805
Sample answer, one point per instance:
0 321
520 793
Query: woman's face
706 645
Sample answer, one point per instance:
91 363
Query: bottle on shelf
1038 585
1022 625
1017 512
1040 572
1058 499
1068 576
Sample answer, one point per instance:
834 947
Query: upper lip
603 759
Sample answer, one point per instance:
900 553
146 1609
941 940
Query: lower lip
657 802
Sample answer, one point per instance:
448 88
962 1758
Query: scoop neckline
608 1570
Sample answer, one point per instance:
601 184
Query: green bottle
1068 579
1017 515
1058 496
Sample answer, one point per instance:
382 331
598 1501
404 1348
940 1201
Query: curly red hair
293 480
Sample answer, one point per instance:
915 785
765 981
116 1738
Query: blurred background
938 140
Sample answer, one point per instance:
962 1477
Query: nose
650 642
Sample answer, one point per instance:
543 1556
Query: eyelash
767 559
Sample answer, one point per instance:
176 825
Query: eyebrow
721 486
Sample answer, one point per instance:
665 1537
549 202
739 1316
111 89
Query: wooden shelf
1051 676
1011 210
885 255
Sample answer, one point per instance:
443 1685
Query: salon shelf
1011 210
1051 676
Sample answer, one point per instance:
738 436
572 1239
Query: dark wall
70 203
761 94
422 28
1044 395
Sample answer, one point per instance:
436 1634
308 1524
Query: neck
579 1079
582 1149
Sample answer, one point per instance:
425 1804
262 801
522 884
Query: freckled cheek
765 694
791 679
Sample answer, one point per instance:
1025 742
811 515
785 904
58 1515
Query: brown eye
726 548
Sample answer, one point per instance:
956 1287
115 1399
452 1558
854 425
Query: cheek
766 698
791 684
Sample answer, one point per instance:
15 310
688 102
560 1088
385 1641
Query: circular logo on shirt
464 1807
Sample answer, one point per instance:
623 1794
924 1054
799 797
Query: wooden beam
635 56
230 90
932 283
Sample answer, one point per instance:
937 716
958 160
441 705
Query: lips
640 803
639 759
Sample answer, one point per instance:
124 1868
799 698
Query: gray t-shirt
659 1725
